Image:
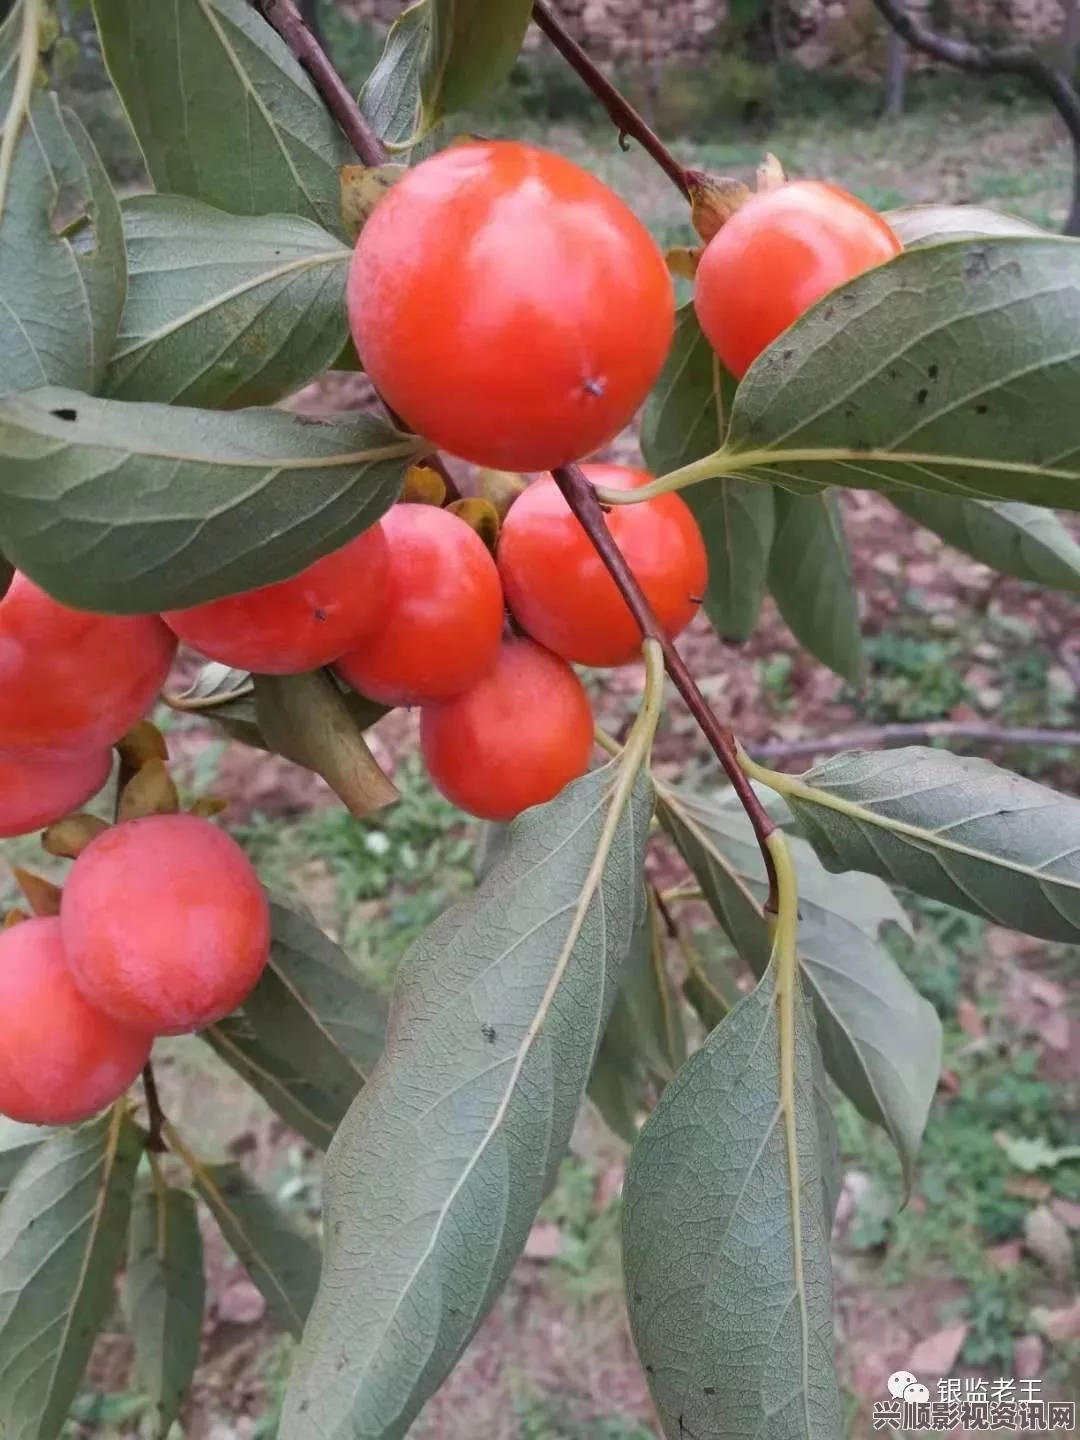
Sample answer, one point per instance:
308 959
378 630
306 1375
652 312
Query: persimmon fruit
61 1059
297 624
35 791
440 631
516 739
72 681
165 923
775 257
509 306
558 588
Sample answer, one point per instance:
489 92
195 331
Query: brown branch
155 1142
913 734
287 20
621 113
581 497
291 26
993 59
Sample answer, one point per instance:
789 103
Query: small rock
1061 1326
1048 1240
1027 1357
936 1355
1067 1211
544 1242
241 1303
1005 1256
1054 1032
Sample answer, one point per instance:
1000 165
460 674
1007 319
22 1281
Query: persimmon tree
145 472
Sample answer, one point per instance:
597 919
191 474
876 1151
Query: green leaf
17 1144
221 109
225 311
930 224
61 245
390 98
880 1039
926 373
684 419
1014 539
163 1295
732 1322
644 1037
436 1175
472 50
310 1032
949 827
811 581
128 508
310 721
62 1230
283 1263
646 1009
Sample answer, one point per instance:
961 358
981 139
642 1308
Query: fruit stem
155 1140
286 19
622 114
584 502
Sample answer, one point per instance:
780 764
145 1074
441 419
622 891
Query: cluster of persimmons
513 311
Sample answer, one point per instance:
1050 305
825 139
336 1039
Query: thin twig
582 499
291 26
913 734
155 1141
994 59
621 112
287 20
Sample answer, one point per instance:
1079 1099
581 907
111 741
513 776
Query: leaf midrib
216 302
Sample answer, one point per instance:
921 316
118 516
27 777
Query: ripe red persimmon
443 621
514 740
70 680
558 588
36 791
61 1060
297 624
775 257
509 306
166 926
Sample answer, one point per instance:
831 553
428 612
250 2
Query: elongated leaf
163 1295
733 1323
435 1177
952 828
222 111
684 420
62 1230
929 373
17 1144
61 246
307 719
646 1008
309 1034
224 310
1015 539
129 508
880 1039
930 224
391 95
811 581
283 1263
644 1037
472 50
